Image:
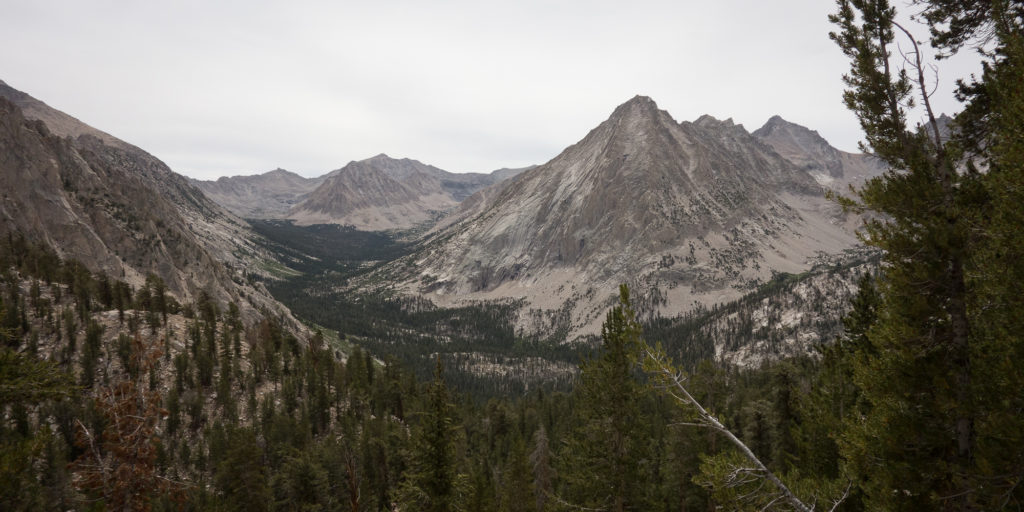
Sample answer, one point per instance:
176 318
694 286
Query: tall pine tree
931 386
432 482
603 462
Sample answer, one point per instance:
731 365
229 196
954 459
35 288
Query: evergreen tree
927 438
432 482
834 400
517 491
543 473
603 462
301 484
241 476
24 382
118 464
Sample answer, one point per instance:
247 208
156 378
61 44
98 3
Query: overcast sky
225 88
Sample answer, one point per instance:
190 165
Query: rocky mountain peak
709 121
778 127
722 129
811 152
638 106
394 168
641 197
381 193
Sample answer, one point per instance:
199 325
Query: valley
666 315
500 279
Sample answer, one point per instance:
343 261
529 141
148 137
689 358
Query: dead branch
675 380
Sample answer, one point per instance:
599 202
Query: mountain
383 193
831 167
117 209
56 121
689 213
262 196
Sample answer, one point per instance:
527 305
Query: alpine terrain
262 196
117 209
691 213
383 193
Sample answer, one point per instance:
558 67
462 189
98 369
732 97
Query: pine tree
991 127
24 472
432 483
517 491
119 464
301 484
927 438
543 474
603 462
241 476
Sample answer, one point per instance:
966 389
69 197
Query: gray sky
225 87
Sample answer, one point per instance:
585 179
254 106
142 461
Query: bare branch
673 378
841 499
923 86
571 505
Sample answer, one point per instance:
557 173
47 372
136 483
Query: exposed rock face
695 210
56 121
383 193
117 209
831 167
263 196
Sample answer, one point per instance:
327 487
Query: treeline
235 417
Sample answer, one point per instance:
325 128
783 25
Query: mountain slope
117 209
831 167
687 212
382 193
262 196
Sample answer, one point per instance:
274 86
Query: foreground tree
934 374
26 382
604 461
737 476
118 465
432 482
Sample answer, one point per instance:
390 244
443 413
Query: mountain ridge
806 148
119 210
384 193
702 208
259 196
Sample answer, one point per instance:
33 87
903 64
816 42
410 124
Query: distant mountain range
260 196
383 193
378 193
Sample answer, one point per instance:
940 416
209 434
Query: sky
242 87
